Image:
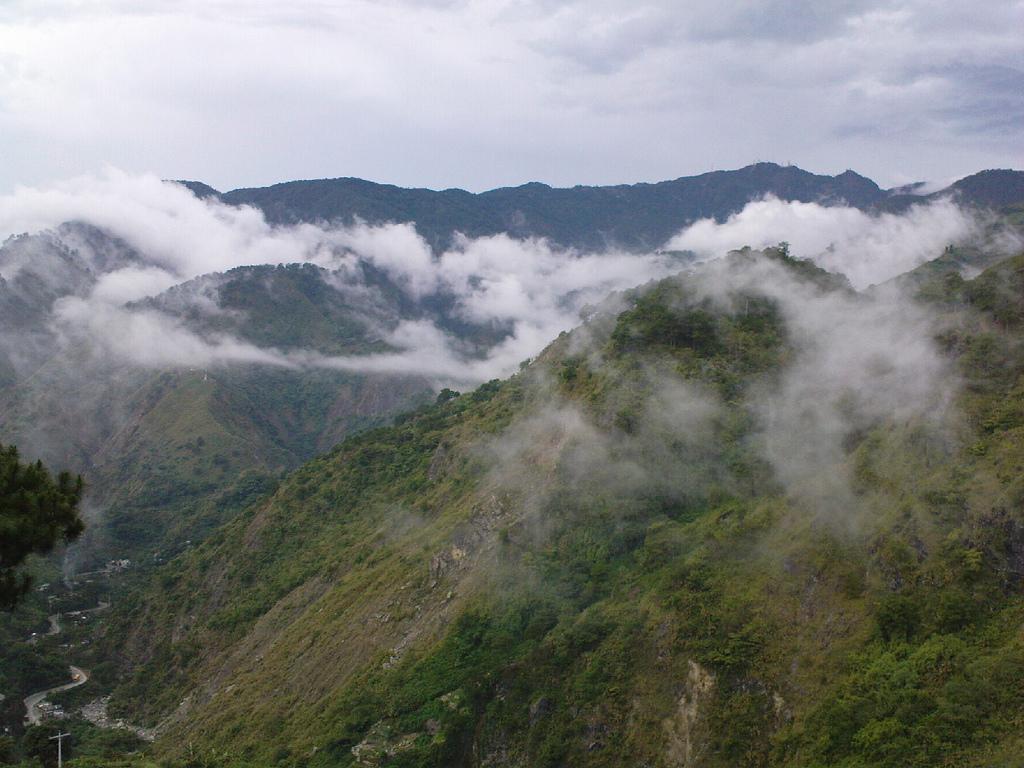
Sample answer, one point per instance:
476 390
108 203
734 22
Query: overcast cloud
479 94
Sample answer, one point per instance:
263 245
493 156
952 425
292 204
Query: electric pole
60 747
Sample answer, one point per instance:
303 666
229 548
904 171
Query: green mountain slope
630 216
742 517
636 216
173 451
202 444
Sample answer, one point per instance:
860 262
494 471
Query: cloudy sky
486 93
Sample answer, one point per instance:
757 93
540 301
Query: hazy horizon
928 185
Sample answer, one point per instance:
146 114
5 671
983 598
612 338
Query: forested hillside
744 516
688 532
173 447
631 216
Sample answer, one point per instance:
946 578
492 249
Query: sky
486 93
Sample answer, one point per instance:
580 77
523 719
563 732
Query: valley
492 499
511 384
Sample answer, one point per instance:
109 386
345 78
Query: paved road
32 714
54 619
97 716
54 629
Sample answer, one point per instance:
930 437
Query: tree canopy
37 512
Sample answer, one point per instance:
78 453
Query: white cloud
397 249
175 230
527 288
131 284
151 339
867 248
857 361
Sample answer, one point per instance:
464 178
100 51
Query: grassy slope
171 454
400 602
201 445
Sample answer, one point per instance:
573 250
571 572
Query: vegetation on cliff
744 516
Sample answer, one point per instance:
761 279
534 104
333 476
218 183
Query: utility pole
60 747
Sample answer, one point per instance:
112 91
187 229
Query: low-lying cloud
853 363
527 289
867 248
858 361
523 293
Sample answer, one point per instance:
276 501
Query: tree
7 755
37 743
36 513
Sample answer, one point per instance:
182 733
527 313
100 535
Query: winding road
33 715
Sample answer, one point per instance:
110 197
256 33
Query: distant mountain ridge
629 216
169 447
726 515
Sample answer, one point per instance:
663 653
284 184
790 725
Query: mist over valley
639 450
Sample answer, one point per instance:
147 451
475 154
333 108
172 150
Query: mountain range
728 512
630 216
713 528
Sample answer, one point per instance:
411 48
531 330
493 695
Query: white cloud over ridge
867 248
858 360
174 229
527 287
